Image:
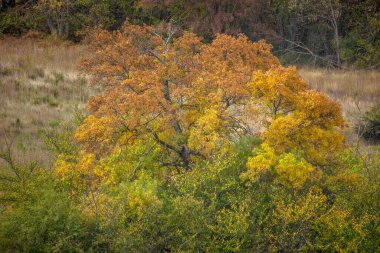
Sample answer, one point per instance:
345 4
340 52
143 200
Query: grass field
41 88
356 90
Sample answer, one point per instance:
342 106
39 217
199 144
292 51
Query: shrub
369 125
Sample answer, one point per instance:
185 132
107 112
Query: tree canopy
194 99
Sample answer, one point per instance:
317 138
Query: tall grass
356 90
40 88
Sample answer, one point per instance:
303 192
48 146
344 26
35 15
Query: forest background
328 33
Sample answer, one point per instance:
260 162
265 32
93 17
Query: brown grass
40 88
356 90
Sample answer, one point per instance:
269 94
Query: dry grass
356 90
50 55
40 88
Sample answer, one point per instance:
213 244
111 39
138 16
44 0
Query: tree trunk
52 28
336 34
337 45
67 29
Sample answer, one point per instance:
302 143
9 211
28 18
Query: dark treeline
331 33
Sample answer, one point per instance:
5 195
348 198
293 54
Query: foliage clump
369 125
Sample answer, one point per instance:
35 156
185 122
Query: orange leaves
227 64
96 134
187 96
321 110
238 52
193 99
115 53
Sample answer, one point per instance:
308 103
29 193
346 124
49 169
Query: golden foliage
194 99
287 169
292 172
96 134
185 95
299 118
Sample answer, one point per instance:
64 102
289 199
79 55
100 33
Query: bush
12 23
369 125
46 222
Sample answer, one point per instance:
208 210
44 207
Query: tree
207 18
57 14
191 99
309 30
179 92
360 26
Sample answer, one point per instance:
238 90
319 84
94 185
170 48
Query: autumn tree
193 99
185 95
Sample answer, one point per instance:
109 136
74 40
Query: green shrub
47 222
369 125
12 22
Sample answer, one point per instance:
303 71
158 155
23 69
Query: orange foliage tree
194 99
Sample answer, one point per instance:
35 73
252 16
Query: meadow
41 90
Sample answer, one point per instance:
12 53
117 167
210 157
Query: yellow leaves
295 132
193 98
312 126
277 89
321 110
301 118
260 164
69 167
96 134
142 193
83 172
163 89
207 135
80 173
286 169
292 172
284 133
